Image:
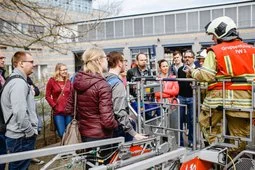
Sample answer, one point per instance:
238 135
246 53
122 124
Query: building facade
157 34
161 33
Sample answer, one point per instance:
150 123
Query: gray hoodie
18 99
119 100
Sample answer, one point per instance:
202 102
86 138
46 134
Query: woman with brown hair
170 88
94 98
58 90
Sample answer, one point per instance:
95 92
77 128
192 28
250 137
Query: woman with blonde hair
58 90
94 98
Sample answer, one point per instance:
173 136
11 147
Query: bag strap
62 91
75 104
1 91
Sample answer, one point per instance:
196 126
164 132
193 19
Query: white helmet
202 54
223 28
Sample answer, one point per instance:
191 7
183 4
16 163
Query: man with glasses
186 96
18 107
2 136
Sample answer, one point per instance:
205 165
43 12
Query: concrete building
160 33
157 34
70 5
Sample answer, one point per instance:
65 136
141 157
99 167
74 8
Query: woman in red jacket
170 88
58 90
94 98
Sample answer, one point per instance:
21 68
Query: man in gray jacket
116 64
18 105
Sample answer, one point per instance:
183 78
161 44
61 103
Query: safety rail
140 83
58 150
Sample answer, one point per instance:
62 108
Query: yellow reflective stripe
253 60
228 65
208 70
241 84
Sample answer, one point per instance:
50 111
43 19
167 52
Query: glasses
29 61
188 57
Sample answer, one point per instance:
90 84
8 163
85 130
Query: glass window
169 23
92 32
1 26
138 26
148 25
101 31
204 19
109 30
217 13
181 22
119 29
244 16
82 31
253 15
128 27
193 21
159 24
231 12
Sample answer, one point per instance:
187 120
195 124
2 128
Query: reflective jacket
235 59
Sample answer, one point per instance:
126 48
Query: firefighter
230 57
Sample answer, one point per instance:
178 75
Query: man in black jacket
2 81
141 71
186 95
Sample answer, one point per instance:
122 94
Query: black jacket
135 72
185 86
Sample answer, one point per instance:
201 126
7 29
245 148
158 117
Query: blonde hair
91 60
56 74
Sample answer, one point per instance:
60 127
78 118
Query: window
138 26
181 22
119 29
193 21
231 12
34 29
101 31
109 30
159 24
217 13
169 24
204 19
148 25
244 16
128 27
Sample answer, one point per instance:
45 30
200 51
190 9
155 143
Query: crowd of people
100 84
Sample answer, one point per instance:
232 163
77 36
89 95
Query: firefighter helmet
224 28
202 54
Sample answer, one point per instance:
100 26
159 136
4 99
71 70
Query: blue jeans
61 123
20 145
2 148
148 114
119 132
189 102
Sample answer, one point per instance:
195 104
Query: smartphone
184 68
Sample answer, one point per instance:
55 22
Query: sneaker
190 145
37 161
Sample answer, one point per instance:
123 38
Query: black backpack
3 124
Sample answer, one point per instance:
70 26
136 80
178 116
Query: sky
130 7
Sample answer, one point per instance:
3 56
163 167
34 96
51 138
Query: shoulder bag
72 134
